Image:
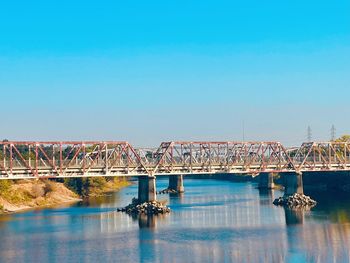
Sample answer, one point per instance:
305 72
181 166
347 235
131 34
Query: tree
344 138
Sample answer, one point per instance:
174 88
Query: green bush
74 184
5 186
82 186
96 182
19 197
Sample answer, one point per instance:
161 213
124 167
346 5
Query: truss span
68 159
20 160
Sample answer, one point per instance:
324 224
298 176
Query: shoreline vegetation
19 195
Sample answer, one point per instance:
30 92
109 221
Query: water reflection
213 221
179 196
294 216
147 221
266 196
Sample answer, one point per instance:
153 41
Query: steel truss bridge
20 160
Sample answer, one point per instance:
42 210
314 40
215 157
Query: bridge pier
293 184
147 189
176 182
266 181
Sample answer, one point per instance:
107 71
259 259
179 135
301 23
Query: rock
147 208
295 200
168 191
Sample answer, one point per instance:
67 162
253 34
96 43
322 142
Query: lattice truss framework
68 159
79 159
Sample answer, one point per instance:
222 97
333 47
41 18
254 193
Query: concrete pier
147 189
266 181
293 184
176 182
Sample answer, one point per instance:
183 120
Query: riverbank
16 196
27 194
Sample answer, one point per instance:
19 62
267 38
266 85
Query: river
213 221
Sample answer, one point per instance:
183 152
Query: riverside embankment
21 195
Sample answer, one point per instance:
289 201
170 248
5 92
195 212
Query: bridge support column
266 181
176 182
293 184
147 189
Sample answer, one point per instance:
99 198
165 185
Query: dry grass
26 194
37 190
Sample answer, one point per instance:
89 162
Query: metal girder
322 156
109 158
220 157
68 159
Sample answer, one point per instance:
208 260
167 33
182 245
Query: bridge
26 160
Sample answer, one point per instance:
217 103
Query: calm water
214 221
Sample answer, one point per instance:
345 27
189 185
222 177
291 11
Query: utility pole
333 131
309 134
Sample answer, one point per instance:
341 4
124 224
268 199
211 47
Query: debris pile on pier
148 208
168 191
295 201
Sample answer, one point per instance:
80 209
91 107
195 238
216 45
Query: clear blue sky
149 71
